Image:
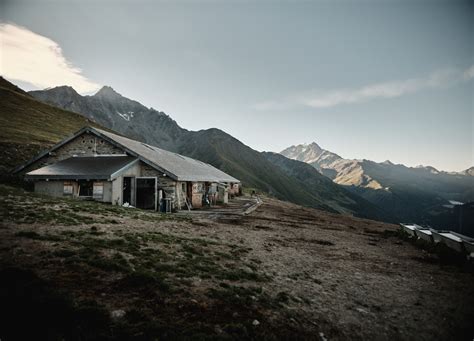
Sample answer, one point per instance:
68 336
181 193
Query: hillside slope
29 126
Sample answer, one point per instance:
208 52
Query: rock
218 329
255 322
117 314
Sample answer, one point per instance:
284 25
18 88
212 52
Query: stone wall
198 192
83 145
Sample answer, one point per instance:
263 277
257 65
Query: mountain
110 109
130 118
325 190
469 171
29 126
312 154
410 193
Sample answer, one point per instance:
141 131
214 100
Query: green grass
22 207
150 273
164 254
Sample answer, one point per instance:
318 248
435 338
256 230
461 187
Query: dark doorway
127 190
146 193
85 188
189 190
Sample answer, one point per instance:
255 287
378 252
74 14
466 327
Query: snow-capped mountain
312 154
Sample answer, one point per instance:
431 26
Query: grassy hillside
29 126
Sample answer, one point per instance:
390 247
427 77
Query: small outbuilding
99 165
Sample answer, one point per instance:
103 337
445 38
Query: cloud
469 73
38 60
326 99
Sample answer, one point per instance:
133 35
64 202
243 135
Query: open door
146 193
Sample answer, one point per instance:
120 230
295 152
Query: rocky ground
83 270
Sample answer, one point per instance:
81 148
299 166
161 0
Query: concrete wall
107 197
52 188
117 186
135 170
55 188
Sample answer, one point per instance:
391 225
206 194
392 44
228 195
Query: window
85 188
183 187
68 188
98 190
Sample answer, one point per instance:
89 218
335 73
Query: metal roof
84 167
177 166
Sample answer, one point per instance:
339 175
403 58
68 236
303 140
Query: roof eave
68 177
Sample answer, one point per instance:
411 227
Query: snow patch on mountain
126 116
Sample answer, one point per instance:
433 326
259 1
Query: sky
371 80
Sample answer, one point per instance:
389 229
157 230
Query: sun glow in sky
371 79
35 59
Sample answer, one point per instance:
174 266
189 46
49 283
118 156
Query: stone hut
99 165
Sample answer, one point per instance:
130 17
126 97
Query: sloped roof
84 167
177 166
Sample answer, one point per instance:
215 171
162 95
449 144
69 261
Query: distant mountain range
40 118
415 194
